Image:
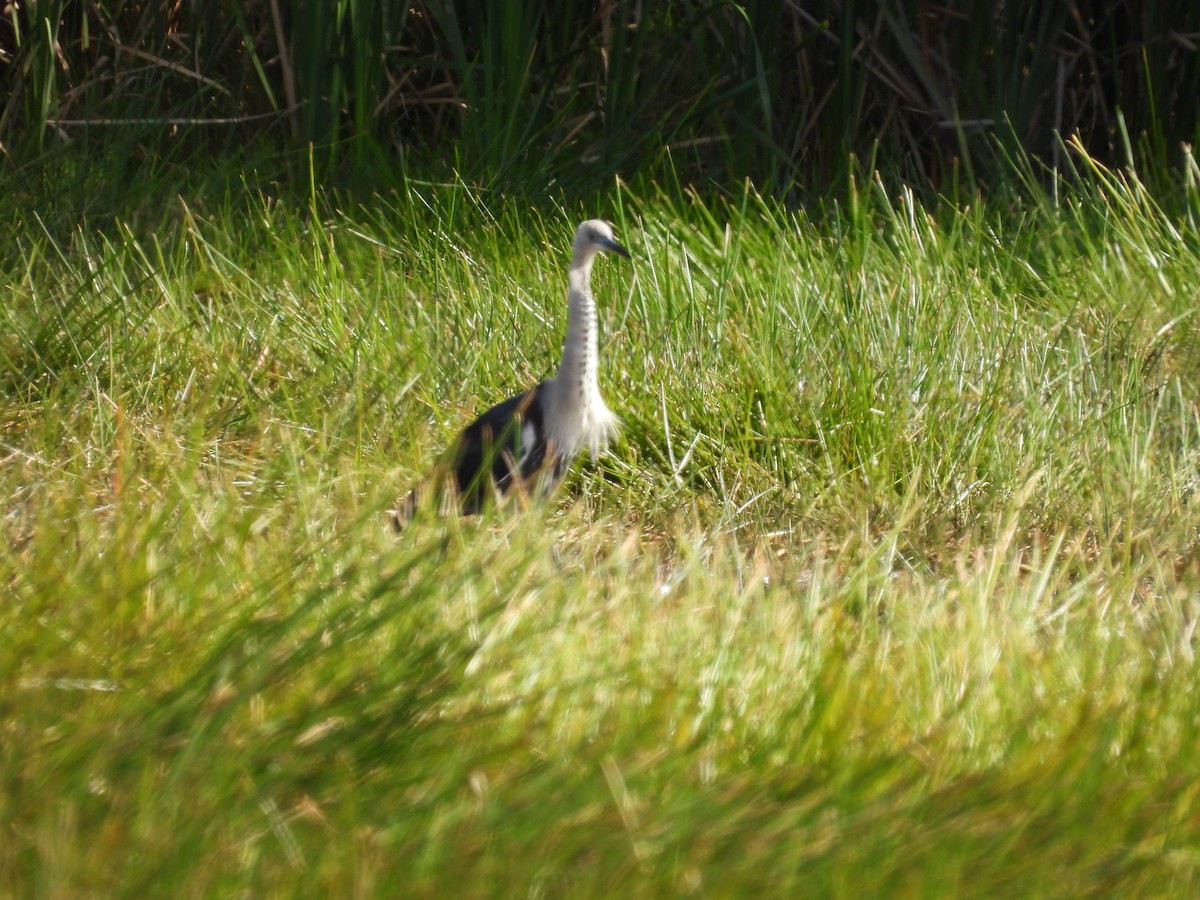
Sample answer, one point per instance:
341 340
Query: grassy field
889 587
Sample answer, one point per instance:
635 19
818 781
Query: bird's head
596 235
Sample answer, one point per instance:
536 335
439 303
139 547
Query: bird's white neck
580 415
580 357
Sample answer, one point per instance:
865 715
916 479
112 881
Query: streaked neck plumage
580 357
581 417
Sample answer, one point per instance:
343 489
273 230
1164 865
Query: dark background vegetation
943 97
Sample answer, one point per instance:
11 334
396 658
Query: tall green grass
525 96
890 584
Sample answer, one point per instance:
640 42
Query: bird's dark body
491 453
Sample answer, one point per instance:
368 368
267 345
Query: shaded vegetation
518 94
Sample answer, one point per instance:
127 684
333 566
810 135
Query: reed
785 94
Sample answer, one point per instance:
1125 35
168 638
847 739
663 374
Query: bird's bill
614 247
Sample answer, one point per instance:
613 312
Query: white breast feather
528 439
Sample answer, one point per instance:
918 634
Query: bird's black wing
492 446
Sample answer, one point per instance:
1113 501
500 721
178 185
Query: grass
889 587
517 97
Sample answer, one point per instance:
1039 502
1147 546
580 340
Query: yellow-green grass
889 586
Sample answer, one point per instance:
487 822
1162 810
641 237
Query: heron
528 442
